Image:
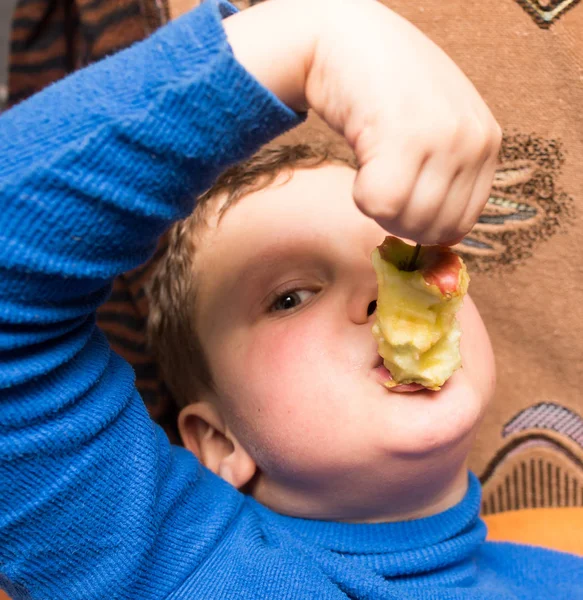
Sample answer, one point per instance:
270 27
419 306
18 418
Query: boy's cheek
477 353
288 346
279 374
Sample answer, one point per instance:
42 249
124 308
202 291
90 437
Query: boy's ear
204 432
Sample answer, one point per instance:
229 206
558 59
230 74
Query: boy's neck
432 502
429 495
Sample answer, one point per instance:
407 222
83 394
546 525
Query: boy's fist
425 140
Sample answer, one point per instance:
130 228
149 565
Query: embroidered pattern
547 415
546 12
540 465
526 205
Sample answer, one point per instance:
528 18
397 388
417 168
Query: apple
416 328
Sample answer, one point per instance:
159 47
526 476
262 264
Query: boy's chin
432 422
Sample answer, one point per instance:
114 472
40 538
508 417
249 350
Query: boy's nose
362 309
362 298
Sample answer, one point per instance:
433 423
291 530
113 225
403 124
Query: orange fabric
556 528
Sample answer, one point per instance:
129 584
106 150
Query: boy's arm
93 170
425 141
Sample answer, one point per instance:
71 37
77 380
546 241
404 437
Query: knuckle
497 135
399 197
452 129
418 139
387 208
492 138
472 137
479 140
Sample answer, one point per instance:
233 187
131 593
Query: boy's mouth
383 375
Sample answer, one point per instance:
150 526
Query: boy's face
285 286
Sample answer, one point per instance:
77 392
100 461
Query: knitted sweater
94 501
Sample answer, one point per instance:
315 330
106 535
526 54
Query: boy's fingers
474 153
459 197
480 193
426 206
437 203
483 183
421 219
444 203
383 187
434 197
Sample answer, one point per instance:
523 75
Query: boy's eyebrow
261 265
277 257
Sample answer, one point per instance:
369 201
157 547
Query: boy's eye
290 300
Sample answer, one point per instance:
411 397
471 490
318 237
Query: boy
99 504
268 347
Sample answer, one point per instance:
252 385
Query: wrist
275 42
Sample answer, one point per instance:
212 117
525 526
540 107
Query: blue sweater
94 501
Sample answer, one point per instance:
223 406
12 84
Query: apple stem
413 262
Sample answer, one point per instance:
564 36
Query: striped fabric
51 38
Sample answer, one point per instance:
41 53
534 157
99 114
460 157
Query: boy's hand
426 141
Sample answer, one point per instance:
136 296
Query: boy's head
261 315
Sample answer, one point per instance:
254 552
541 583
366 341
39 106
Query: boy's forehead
309 214
313 193
295 198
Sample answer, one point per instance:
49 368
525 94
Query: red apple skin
438 265
441 267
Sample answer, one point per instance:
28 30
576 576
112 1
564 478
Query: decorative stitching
525 208
544 14
547 415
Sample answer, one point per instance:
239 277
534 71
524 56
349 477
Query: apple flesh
416 328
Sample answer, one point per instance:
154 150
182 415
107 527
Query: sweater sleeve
94 502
